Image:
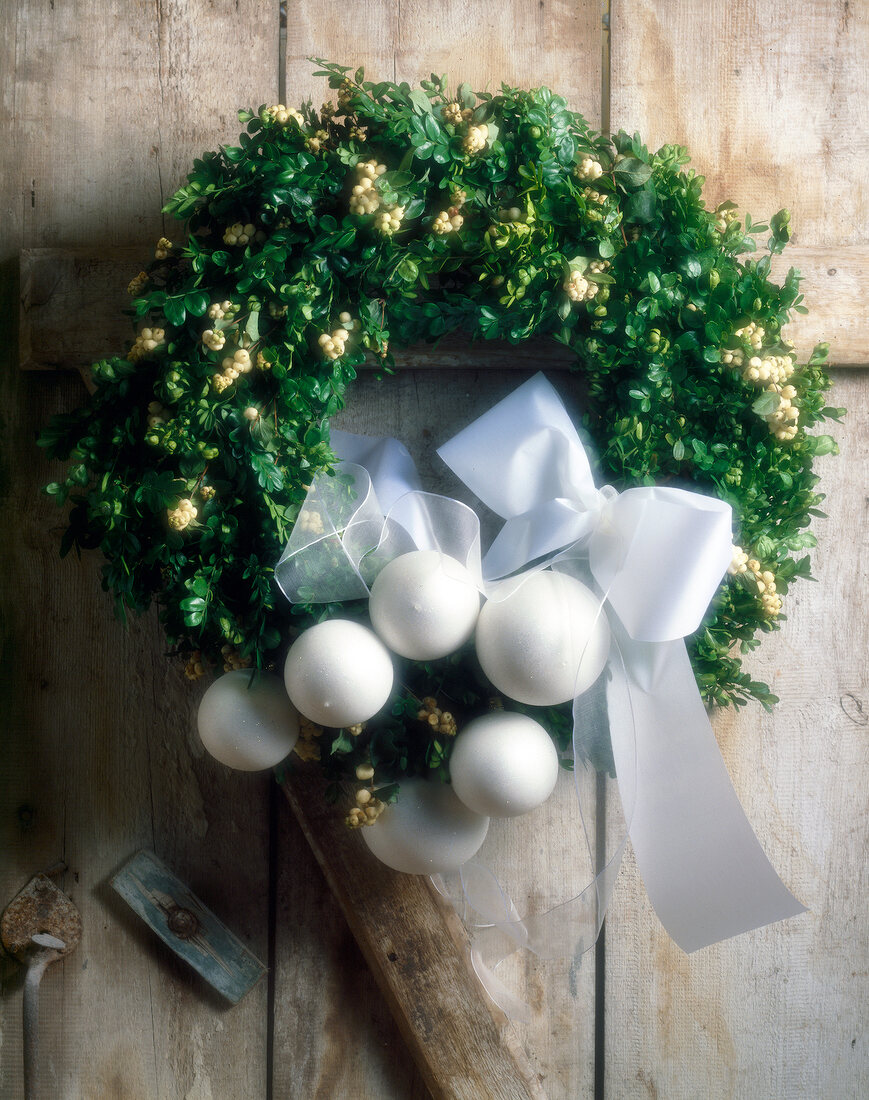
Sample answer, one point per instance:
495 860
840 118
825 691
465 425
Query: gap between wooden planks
57 284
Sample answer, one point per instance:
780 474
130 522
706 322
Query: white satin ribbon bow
658 555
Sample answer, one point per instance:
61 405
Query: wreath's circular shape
328 238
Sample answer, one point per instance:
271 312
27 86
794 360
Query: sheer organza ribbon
370 511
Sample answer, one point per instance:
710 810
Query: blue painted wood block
187 926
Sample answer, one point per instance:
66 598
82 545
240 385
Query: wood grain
775 1012
556 43
103 105
773 104
334 1035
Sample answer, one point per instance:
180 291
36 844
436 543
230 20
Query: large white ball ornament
338 673
503 764
248 724
424 605
531 643
427 831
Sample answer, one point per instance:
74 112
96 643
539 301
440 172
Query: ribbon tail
704 869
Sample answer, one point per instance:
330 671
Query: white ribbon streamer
658 554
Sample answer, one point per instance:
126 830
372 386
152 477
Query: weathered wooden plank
774 1012
334 1035
526 43
104 105
773 103
778 1011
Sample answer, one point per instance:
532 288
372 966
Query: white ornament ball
427 831
531 643
424 605
338 673
503 764
248 724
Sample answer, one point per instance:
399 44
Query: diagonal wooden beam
418 952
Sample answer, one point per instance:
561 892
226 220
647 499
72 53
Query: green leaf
632 172
175 310
765 404
196 303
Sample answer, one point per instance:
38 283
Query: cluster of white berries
232 659
590 195
364 198
475 139
764 579
310 521
232 366
776 369
455 115
182 516
194 668
447 221
156 414
724 215
214 339
368 807
146 342
164 247
218 310
770 371
238 234
333 343
578 288
307 747
389 220
738 561
282 115
314 143
783 420
588 169
510 214
437 720
753 333
137 284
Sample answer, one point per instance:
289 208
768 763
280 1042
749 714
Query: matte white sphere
503 764
338 673
427 831
248 724
531 643
424 605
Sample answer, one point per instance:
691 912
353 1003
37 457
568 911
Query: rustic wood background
104 105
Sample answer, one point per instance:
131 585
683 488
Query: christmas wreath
327 239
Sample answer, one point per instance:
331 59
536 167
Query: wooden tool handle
419 954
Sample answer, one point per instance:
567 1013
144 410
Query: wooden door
105 105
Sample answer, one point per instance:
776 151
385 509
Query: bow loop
658 553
